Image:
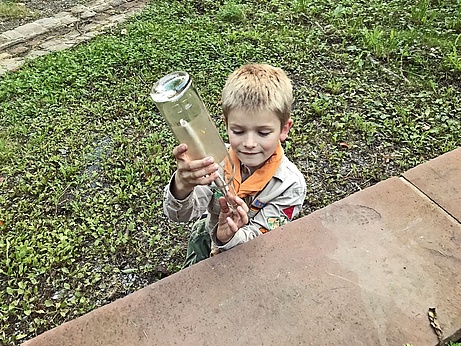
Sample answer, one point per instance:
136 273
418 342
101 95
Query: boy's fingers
223 205
206 163
243 215
179 150
241 203
208 178
232 226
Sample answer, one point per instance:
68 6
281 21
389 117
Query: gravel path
64 28
39 9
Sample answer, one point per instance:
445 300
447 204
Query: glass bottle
180 104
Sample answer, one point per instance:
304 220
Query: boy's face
254 136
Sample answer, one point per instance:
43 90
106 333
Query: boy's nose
249 141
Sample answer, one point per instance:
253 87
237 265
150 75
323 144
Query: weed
320 105
301 6
381 43
334 86
420 12
454 60
232 12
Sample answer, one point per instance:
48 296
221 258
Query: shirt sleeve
278 211
189 208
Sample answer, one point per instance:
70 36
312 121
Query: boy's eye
237 132
264 134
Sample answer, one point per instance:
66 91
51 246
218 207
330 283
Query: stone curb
84 22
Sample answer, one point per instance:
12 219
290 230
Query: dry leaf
432 314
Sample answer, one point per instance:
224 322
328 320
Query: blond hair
256 87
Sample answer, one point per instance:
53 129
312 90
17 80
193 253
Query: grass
14 10
84 154
450 344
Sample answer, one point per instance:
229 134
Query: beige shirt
275 205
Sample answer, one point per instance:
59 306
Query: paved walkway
64 30
380 267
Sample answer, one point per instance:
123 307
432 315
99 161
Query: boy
256 103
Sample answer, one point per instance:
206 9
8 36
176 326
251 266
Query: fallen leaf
432 314
128 270
344 145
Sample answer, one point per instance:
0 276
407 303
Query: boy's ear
285 129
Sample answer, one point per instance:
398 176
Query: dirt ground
40 9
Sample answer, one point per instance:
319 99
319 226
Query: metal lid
171 87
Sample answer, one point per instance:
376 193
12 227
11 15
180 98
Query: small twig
60 196
76 28
330 289
320 27
346 279
387 70
401 70
142 80
134 324
440 252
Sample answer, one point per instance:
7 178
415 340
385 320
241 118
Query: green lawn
84 154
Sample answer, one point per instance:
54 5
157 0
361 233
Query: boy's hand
230 221
191 173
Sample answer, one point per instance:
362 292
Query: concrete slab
30 30
363 271
4 56
440 180
78 9
87 14
48 23
12 35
